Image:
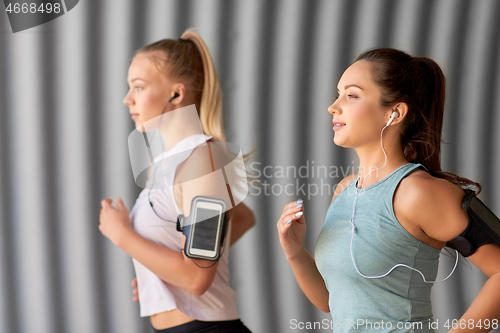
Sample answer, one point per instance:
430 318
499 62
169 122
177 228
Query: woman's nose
128 100
334 108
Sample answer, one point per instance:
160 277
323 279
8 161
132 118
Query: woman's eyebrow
137 78
351 85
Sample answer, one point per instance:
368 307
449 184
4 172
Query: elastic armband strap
483 227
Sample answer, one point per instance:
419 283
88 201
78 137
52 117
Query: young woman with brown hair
178 293
378 251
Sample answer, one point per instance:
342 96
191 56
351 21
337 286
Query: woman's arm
242 219
292 230
169 265
434 206
487 303
206 164
303 265
309 279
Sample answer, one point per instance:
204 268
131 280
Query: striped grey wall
63 139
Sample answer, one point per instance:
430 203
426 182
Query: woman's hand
135 291
114 222
292 228
292 231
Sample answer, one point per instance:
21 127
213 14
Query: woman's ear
402 110
179 90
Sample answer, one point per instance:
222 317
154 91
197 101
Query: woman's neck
372 162
175 135
179 124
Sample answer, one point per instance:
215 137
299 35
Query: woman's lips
337 125
134 115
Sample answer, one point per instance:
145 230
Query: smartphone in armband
205 228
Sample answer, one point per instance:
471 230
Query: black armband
483 227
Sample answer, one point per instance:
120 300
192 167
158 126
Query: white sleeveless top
156 295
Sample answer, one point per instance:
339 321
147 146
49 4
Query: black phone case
483 227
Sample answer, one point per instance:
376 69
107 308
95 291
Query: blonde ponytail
211 97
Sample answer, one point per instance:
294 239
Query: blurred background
64 129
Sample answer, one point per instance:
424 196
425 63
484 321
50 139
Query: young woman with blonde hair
178 293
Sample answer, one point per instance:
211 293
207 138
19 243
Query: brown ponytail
420 83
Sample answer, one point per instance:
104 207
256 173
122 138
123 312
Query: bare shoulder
431 204
203 160
342 185
196 176
421 187
199 175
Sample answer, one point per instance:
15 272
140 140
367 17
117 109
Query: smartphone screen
205 229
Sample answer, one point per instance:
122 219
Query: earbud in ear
173 97
394 115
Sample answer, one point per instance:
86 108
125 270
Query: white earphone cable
358 192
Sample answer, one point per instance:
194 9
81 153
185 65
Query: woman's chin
138 125
338 141
342 143
144 124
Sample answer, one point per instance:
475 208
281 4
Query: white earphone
358 192
393 116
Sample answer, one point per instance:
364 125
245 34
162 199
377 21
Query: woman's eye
138 88
352 96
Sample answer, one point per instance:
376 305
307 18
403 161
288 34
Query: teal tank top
398 302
